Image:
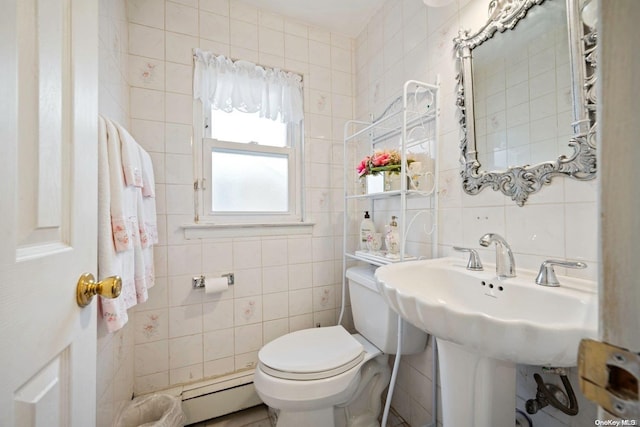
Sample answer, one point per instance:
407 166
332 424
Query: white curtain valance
226 85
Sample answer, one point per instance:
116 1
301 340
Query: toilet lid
311 354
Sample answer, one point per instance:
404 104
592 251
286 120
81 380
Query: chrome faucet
474 263
505 264
547 276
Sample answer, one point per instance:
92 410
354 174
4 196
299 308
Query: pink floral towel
127 226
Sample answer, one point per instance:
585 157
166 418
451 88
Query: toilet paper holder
198 281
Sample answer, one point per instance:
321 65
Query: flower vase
375 184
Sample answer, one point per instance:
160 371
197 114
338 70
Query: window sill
208 230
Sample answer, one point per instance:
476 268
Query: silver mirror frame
520 181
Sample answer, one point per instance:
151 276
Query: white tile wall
115 352
283 283
181 19
218 344
219 367
185 351
152 357
146 41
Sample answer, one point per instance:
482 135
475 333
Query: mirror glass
522 91
526 97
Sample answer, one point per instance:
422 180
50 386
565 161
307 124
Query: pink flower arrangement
381 161
381 158
363 166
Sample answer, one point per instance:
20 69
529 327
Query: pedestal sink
485 326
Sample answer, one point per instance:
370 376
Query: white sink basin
510 319
484 326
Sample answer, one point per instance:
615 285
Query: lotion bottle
392 239
367 227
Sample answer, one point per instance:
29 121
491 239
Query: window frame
203 149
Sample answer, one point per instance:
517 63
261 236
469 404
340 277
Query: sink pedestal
477 391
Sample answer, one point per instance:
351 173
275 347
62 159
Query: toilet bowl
306 387
327 377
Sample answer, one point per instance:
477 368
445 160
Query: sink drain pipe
552 395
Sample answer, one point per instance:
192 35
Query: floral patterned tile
151 325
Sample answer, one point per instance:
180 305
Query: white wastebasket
156 410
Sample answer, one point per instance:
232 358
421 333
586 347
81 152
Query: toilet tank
373 318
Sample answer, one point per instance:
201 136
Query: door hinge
609 376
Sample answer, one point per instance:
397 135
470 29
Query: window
251 143
252 167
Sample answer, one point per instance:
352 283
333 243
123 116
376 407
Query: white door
620 174
607 370
48 202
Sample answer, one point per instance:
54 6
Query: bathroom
292 280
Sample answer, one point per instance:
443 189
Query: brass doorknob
87 288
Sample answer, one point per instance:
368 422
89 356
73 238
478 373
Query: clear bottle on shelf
392 239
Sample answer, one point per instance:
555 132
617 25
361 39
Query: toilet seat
311 354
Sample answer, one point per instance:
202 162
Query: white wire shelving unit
411 125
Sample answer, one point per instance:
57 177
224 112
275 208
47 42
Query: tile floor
258 416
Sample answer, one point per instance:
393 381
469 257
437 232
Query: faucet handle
547 275
474 262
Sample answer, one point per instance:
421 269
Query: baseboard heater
220 396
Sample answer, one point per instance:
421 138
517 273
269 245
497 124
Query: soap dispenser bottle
392 239
367 227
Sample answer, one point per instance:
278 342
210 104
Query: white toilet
325 377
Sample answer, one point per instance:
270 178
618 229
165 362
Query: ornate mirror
526 97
